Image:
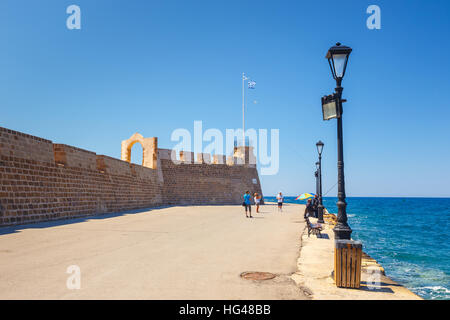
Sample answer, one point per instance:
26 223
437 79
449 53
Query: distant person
280 200
257 198
247 204
315 203
309 210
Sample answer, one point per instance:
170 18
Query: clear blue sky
154 66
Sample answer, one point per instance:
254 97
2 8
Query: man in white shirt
280 199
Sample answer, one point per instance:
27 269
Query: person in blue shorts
280 200
247 204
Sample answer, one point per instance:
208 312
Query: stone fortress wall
42 181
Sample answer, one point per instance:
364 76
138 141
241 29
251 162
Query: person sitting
315 203
309 210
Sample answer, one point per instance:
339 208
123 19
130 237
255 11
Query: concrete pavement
192 252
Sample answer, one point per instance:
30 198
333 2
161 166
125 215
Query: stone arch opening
136 153
149 148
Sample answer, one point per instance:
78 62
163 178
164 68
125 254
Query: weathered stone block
206 158
74 157
186 157
219 159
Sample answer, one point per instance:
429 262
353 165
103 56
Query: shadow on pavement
65 221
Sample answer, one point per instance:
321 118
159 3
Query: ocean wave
435 292
437 288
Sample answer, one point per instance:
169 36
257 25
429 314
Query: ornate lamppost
319 146
316 174
332 108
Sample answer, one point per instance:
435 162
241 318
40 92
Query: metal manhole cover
253 275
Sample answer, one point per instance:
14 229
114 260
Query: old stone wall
188 182
41 181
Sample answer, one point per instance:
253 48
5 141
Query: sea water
409 237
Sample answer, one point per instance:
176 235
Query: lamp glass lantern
337 59
329 107
319 146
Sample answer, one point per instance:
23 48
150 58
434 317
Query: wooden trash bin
347 263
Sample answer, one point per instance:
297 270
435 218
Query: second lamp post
332 108
319 146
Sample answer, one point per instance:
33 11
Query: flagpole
243 110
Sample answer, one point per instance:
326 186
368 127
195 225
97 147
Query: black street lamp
316 174
319 146
337 58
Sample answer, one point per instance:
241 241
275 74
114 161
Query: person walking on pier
257 198
280 200
247 204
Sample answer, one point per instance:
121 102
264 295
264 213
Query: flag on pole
251 84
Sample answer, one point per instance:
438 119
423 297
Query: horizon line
418 197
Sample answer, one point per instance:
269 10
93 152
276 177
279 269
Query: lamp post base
342 231
320 214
